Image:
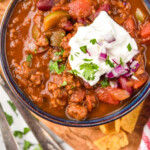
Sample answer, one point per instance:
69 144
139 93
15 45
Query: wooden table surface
82 138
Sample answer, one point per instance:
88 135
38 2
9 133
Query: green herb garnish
29 57
121 62
87 59
75 72
104 83
129 47
89 70
93 41
38 148
108 62
64 84
84 49
9 118
53 66
20 134
12 106
59 53
35 50
27 145
72 57
59 60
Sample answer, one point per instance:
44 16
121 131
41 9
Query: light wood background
82 138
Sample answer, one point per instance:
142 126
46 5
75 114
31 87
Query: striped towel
145 142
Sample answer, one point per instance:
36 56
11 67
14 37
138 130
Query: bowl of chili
36 60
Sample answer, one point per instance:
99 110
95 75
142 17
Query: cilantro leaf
87 59
84 49
64 84
26 130
35 50
89 70
59 60
129 47
104 83
93 41
108 62
53 66
38 148
29 57
27 145
59 53
121 62
12 106
9 118
75 72
72 57
18 134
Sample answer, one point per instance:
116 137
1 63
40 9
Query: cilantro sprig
89 70
83 49
12 106
121 62
29 58
64 84
104 83
129 47
74 72
59 53
27 145
53 66
9 118
108 62
93 41
20 134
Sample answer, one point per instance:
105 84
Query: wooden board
82 138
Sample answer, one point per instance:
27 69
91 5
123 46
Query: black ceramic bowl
126 108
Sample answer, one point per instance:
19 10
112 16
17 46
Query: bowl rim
32 107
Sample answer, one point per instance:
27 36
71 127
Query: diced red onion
135 78
103 54
109 38
110 75
128 74
114 61
126 67
119 69
88 52
113 84
134 66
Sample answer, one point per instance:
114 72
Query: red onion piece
119 69
114 61
135 78
128 74
113 84
123 83
134 66
103 54
110 75
88 53
109 38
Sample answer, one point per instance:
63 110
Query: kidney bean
45 5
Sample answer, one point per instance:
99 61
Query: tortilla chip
129 121
112 142
112 127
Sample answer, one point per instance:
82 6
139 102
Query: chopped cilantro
129 47
38 148
84 49
93 41
75 72
35 50
72 87
59 53
108 62
104 83
53 66
62 34
121 62
64 83
87 59
9 118
72 57
19 134
12 106
89 70
77 53
29 57
27 145
59 60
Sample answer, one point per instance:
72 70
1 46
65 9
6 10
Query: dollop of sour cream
85 55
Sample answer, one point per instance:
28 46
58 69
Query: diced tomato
130 26
91 102
104 96
145 31
104 7
118 94
141 80
80 8
123 83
